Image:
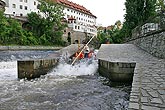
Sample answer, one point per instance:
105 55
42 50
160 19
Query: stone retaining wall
153 44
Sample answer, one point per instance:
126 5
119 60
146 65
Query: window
14 5
34 3
21 14
25 1
13 12
25 7
67 9
20 6
21 0
78 27
75 27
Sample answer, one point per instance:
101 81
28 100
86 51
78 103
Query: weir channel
148 86
65 87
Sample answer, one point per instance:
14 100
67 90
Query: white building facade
79 19
20 7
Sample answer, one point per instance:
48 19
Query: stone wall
80 36
75 36
150 36
153 44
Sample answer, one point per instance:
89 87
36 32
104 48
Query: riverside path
148 86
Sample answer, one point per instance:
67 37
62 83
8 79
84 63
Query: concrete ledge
117 71
35 68
148 80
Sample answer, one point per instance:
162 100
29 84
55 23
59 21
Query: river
65 87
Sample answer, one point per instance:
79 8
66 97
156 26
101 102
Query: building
2 5
81 22
20 7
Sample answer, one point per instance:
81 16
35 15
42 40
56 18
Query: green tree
3 23
14 32
10 30
161 5
137 12
47 24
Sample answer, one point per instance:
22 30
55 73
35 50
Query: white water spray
8 70
83 67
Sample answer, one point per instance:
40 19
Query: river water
66 87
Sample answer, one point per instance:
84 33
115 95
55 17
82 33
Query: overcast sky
107 11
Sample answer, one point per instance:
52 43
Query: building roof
74 6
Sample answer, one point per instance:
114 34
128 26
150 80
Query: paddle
82 50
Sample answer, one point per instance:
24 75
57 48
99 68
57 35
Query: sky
107 11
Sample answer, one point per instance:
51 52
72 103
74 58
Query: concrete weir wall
117 71
35 68
147 92
117 61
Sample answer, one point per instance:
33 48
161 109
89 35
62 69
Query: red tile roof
75 6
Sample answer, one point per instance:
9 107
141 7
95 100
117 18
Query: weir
65 87
117 62
35 68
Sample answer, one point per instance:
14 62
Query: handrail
82 50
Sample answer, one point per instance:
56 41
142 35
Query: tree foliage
161 5
10 30
110 35
47 25
137 12
44 28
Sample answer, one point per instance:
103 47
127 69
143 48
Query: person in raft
81 56
86 51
